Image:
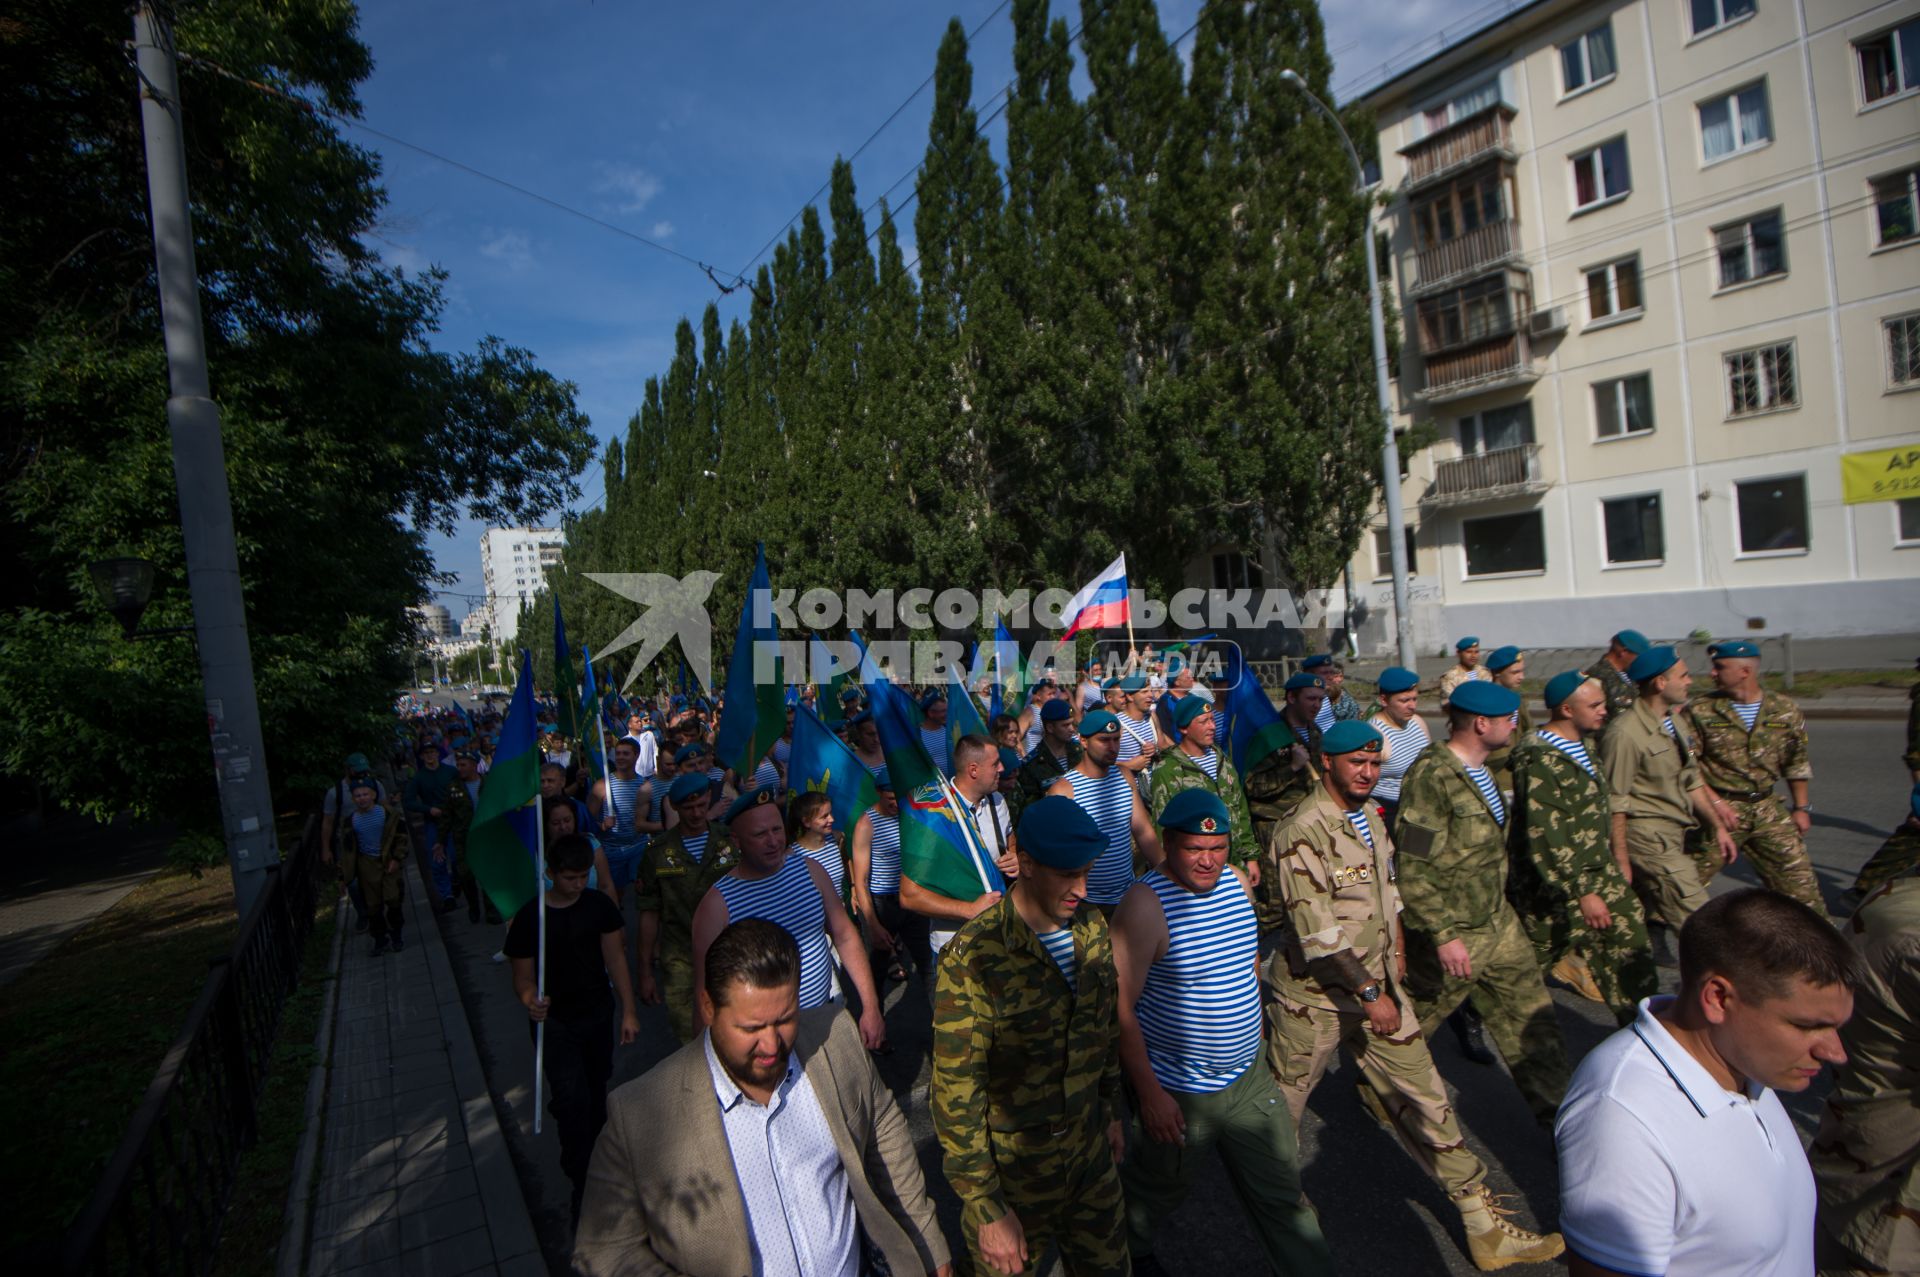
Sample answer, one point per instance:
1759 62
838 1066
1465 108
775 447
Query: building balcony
1486 476
1489 247
1477 138
1475 370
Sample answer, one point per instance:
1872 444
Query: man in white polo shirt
1676 1156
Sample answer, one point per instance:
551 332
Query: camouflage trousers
1898 855
676 990
1511 996
1399 1071
1866 1161
1665 877
1067 1199
1620 957
1767 837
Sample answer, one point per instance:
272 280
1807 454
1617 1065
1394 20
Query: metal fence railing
158 1206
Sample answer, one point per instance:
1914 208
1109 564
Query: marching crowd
1166 955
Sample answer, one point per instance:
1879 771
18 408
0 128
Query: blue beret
1195 811
1188 708
1060 834
1349 735
1732 648
1563 685
1133 683
1633 640
1045 682
689 751
761 797
1320 660
1502 657
935 694
1654 661
1471 640
1009 759
1476 697
1111 683
1174 665
687 786
1099 722
849 695
1396 679
678 700
1304 680
864 716
1055 711
883 781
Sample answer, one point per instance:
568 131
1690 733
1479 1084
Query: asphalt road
1381 1214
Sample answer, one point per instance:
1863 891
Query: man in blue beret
1507 666
621 809
1195 763
1109 796
1058 750
1464 939
1748 742
864 735
1466 668
1281 781
1139 743
676 870
1611 670
1026 1074
1338 979
771 881
1655 792
1404 732
1186 944
1587 927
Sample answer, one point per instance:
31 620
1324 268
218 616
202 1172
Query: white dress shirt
996 832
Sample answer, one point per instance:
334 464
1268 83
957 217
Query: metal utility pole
200 475
1390 449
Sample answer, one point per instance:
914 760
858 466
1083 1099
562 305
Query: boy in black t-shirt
585 949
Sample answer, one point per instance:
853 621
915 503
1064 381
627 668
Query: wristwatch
1370 992
1803 806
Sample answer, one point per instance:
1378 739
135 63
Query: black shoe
447 904
360 925
380 947
473 906
1147 1266
1466 1026
399 943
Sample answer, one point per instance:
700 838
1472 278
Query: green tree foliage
348 439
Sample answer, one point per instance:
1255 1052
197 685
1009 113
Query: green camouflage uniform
1453 879
1620 690
1500 761
670 883
1866 1156
454 828
1744 768
1345 707
1342 907
1275 790
1896 856
1176 771
1037 774
1562 850
1026 1081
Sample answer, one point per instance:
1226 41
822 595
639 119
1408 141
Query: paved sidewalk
415 1177
59 875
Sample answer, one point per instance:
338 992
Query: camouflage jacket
1500 761
1561 834
1648 773
1453 853
458 822
672 883
1734 760
1026 1072
1037 774
394 835
1620 690
1345 707
1275 789
1455 675
1912 756
1176 771
1340 899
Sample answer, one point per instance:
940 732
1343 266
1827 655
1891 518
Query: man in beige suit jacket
663 1196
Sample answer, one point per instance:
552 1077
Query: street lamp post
1389 449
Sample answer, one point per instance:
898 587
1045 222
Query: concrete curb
293 1241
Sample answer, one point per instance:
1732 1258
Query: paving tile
448 1219
434 1133
438 1160
379 1268
344 1187
462 1252
437 1189
351 1214
372 1245
531 1264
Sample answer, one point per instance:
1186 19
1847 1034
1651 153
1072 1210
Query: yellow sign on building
1886 475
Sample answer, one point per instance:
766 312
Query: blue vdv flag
939 846
822 763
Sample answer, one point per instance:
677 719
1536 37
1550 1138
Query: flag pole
540 964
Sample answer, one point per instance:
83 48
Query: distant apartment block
513 566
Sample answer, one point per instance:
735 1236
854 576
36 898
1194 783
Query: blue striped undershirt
1323 717
1402 746
883 857
828 858
1358 819
1483 781
1199 1007
1749 713
1109 800
790 898
1059 946
1210 764
1576 750
696 845
368 828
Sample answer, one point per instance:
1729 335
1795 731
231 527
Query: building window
1383 554
1588 60
1772 514
1463 207
1906 521
1711 15
1634 533
1737 122
1890 62
1750 250
1236 572
1465 315
1903 350
1761 380
1601 174
1467 102
1497 429
1623 406
1504 543
1613 290
1895 197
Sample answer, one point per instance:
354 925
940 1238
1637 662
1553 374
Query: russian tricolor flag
1101 602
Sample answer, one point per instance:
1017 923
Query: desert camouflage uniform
1866 1157
1562 850
1743 768
1500 761
670 883
1176 771
1026 1081
1620 690
1342 911
1453 880
1037 773
1456 676
1897 855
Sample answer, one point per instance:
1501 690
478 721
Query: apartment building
513 566
1658 269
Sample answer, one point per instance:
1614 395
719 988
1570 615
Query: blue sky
702 126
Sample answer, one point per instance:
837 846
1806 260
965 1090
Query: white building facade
513 566
1658 269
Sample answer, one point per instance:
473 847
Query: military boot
1472 1032
1492 1242
1573 973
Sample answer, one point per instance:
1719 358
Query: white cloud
631 186
663 230
511 248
